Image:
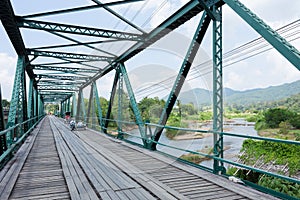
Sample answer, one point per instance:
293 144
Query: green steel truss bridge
59 60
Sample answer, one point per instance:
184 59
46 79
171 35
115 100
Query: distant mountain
202 97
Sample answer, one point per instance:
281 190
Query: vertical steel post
111 101
182 74
90 105
36 102
120 105
18 103
74 105
98 105
134 104
30 111
3 146
217 91
81 107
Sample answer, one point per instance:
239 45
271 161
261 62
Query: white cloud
7 74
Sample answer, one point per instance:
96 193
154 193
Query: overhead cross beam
63 69
189 10
183 72
57 87
58 77
83 8
79 30
68 55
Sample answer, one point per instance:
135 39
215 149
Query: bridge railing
215 157
18 135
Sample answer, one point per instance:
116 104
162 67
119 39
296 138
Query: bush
284 127
260 125
279 185
273 117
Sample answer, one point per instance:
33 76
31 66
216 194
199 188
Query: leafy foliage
5 103
280 152
279 185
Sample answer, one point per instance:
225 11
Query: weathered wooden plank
105 196
64 195
235 197
204 189
148 182
10 176
78 181
212 195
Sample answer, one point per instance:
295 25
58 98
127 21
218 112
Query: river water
232 144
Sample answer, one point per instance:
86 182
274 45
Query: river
232 144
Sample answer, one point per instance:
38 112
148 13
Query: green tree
151 108
5 103
273 117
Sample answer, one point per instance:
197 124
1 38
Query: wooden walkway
55 163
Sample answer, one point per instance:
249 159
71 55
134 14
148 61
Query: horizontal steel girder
63 69
58 82
188 11
57 77
80 30
57 87
79 9
68 55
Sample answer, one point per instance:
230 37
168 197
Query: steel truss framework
71 73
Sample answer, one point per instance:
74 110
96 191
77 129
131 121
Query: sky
264 70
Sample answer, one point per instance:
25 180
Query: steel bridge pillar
111 100
74 105
182 74
80 112
18 104
217 92
134 104
98 105
31 102
120 106
3 146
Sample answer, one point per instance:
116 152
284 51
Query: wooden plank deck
56 163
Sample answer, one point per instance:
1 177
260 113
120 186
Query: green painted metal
189 10
31 102
120 106
74 105
83 8
91 106
60 77
78 42
133 103
218 166
18 104
68 55
63 69
3 146
111 100
183 72
278 42
61 109
36 103
68 104
98 105
81 114
6 155
119 16
79 30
